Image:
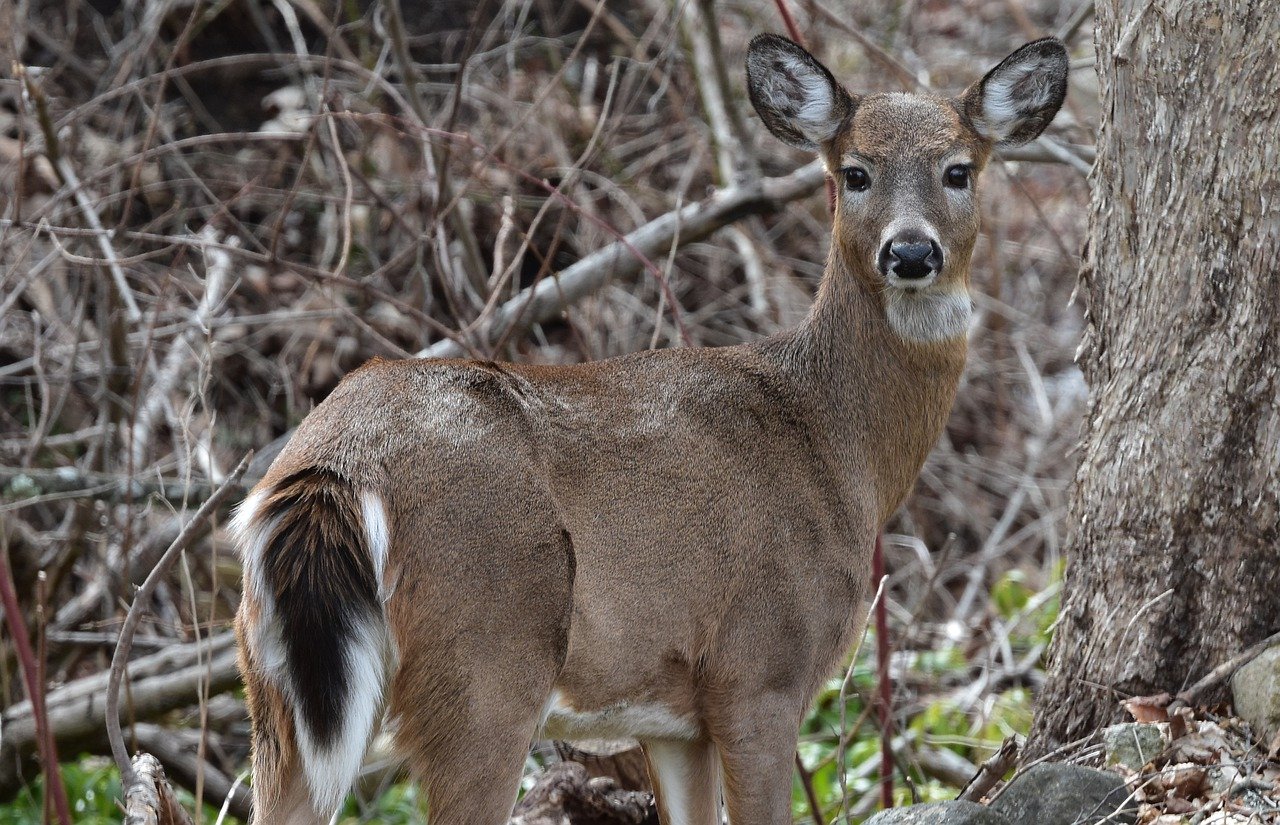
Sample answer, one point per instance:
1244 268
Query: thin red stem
789 22
35 692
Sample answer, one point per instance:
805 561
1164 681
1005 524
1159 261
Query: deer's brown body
672 545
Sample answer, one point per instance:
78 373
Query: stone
1134 744
1055 793
1255 690
957 812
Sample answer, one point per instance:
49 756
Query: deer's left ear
1017 99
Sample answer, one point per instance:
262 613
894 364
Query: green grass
93 793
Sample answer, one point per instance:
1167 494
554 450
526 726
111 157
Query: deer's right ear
797 98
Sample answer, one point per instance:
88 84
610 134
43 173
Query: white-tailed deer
672 546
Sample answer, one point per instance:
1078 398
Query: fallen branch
160 683
620 760
565 794
991 772
1224 671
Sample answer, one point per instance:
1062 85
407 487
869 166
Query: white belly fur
639 720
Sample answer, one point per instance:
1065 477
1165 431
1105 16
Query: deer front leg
686 781
757 752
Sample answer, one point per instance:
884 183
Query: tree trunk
1174 550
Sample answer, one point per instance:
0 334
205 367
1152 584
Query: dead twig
991 771
841 749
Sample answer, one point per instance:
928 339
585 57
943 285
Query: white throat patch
927 315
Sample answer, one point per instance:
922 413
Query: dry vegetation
211 211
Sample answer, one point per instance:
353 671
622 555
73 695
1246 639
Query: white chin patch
926 316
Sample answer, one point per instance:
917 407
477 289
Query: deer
671 546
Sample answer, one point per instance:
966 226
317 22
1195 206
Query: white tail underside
329 769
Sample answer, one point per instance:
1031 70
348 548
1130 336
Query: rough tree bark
1174 551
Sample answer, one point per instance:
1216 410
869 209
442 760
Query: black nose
910 257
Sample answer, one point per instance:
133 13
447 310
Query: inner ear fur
1017 100
795 95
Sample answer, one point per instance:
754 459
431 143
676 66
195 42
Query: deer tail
315 647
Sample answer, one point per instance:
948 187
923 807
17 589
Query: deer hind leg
467 749
686 780
478 655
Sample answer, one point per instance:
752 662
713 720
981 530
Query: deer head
906 168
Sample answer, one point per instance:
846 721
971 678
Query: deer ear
797 98
1017 99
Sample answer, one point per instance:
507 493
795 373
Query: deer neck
882 398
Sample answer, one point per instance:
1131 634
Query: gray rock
1133 744
1256 692
940 813
1060 794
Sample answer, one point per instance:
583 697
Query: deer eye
856 178
958 176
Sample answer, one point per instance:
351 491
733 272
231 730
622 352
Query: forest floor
1197 767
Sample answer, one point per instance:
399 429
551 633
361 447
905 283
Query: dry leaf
1174 805
1180 722
1148 708
1186 780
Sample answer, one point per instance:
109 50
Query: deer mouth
913 284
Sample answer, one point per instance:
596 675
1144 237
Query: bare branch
545 300
121 657
148 798
24 486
